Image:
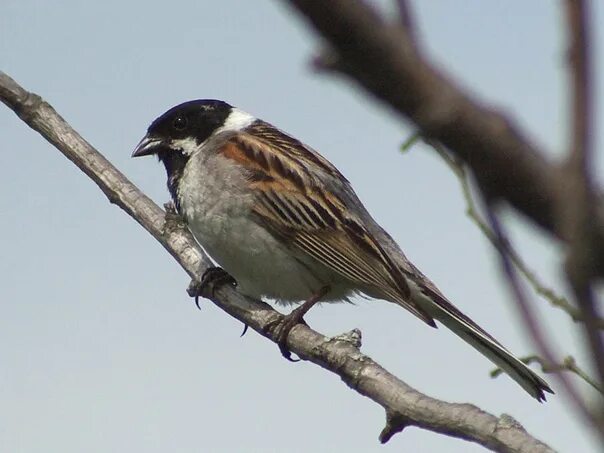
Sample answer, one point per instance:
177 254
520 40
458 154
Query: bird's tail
442 310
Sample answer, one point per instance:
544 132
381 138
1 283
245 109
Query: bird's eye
180 123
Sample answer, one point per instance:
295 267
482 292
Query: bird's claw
281 329
211 280
245 327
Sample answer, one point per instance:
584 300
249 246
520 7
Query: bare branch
340 355
387 63
580 206
395 423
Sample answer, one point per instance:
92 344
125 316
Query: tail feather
461 325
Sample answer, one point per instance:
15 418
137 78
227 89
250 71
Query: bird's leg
212 279
283 326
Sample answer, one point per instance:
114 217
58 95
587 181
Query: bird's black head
182 128
174 136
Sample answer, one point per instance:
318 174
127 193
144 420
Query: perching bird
286 224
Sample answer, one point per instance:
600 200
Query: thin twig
568 364
459 170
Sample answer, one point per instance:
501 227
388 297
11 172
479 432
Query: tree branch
580 204
404 405
387 63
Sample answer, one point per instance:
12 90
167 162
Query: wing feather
303 209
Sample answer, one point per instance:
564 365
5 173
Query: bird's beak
147 146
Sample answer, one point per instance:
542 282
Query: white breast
213 198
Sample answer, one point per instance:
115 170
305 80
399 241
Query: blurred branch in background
387 63
458 168
494 233
385 59
531 320
580 204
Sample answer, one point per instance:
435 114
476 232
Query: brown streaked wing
297 207
273 137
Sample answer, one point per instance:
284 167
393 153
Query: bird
282 222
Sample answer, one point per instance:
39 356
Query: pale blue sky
101 349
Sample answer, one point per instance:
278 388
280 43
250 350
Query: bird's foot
281 327
211 280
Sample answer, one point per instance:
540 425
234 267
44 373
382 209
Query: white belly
218 215
258 263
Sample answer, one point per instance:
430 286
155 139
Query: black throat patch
175 162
